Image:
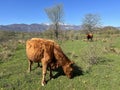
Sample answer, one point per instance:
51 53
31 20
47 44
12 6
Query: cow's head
68 69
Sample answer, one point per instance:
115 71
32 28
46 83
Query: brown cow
90 36
49 54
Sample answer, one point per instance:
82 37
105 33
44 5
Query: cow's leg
51 75
30 65
91 38
38 64
88 38
44 70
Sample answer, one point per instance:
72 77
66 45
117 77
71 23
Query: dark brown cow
90 36
49 54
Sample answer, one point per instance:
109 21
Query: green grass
104 75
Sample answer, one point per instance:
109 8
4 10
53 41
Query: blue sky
32 11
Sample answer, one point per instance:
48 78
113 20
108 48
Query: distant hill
24 27
35 27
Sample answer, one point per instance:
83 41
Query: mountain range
36 27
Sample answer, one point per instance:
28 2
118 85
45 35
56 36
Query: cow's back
36 48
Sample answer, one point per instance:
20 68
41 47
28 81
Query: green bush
7 50
91 55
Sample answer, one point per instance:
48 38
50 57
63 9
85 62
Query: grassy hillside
99 60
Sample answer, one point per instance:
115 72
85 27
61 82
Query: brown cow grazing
90 36
49 54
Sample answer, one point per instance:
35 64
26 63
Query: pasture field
99 61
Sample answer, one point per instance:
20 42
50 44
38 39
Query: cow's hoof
43 83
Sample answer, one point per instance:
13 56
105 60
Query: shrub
7 50
91 55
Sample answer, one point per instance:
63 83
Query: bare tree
55 14
90 22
